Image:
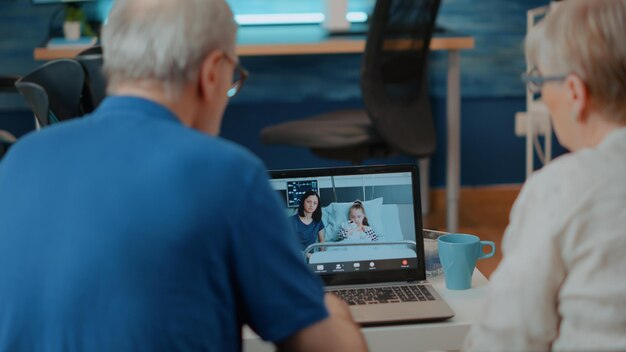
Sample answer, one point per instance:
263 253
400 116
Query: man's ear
578 95
209 73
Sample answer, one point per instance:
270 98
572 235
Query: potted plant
74 17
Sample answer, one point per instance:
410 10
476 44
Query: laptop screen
356 224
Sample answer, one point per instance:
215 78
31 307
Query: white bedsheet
372 251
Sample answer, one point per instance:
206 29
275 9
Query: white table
446 335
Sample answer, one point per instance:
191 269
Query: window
260 12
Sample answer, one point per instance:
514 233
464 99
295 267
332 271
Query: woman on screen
358 226
307 223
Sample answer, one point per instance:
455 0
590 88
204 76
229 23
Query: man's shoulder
174 141
210 149
40 141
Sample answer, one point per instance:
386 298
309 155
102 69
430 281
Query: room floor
484 212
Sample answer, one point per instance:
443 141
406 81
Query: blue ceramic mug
458 254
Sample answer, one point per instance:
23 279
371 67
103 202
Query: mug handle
482 245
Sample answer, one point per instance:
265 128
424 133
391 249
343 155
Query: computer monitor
387 198
296 189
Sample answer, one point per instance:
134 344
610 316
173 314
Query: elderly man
136 228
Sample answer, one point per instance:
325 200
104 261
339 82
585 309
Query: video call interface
376 235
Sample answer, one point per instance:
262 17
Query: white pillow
339 215
393 230
327 215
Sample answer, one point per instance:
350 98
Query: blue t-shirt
122 231
306 234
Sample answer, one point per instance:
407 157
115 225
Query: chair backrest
6 140
394 79
62 82
7 85
37 99
95 82
92 50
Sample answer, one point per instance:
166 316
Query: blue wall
283 88
491 69
490 152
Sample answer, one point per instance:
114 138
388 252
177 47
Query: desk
447 335
312 39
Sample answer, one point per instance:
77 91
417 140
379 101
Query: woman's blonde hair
586 38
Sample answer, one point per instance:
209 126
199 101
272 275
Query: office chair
92 50
95 82
37 98
394 84
7 85
6 140
54 91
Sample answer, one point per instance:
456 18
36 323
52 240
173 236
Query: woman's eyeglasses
239 77
534 80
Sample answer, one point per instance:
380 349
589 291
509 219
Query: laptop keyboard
393 294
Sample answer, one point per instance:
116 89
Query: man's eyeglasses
239 77
534 80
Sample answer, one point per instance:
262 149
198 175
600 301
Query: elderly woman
561 283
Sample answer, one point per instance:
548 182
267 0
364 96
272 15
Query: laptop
372 255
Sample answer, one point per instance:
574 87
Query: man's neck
177 105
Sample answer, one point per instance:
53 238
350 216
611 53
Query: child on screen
358 226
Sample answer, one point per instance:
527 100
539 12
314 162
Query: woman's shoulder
295 218
564 186
563 174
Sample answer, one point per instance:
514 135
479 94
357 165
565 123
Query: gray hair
586 38
164 41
